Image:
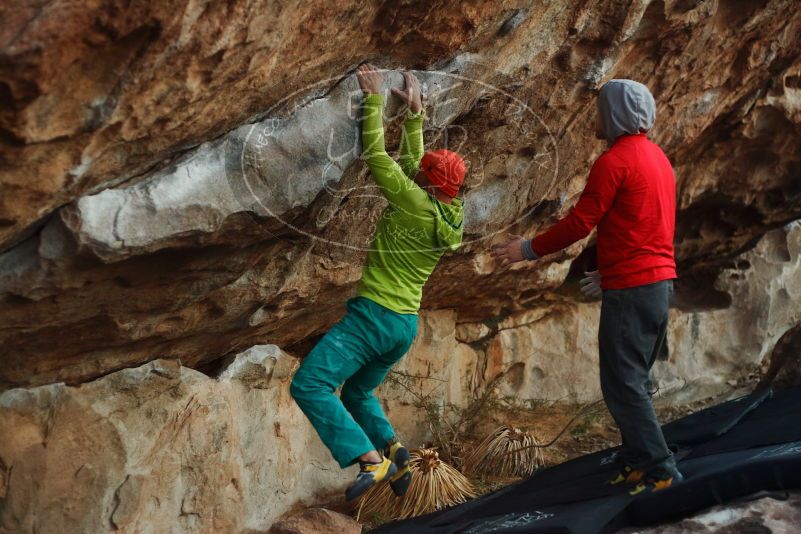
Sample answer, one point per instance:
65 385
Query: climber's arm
411 143
394 184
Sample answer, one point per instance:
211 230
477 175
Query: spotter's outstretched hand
510 252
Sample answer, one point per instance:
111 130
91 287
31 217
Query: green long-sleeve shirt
415 229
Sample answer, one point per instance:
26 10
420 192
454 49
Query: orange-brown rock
128 139
316 521
180 182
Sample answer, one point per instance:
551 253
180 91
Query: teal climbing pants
358 352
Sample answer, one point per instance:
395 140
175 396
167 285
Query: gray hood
625 107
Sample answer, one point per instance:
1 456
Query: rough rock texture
317 521
784 367
161 448
180 182
179 178
165 448
770 514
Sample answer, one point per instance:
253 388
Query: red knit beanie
444 169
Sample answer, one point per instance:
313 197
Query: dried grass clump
435 485
506 452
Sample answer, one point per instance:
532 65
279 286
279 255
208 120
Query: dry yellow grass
435 485
506 452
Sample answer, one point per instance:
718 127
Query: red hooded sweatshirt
631 197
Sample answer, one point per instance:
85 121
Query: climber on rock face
631 197
422 221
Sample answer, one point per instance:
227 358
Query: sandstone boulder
161 448
317 521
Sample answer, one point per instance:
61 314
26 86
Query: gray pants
632 331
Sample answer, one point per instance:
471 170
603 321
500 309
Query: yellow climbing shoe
654 484
627 475
369 474
400 457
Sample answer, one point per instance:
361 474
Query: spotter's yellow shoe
653 484
369 474
627 475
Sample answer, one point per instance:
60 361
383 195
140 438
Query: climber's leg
394 334
339 354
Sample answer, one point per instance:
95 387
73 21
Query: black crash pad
727 451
